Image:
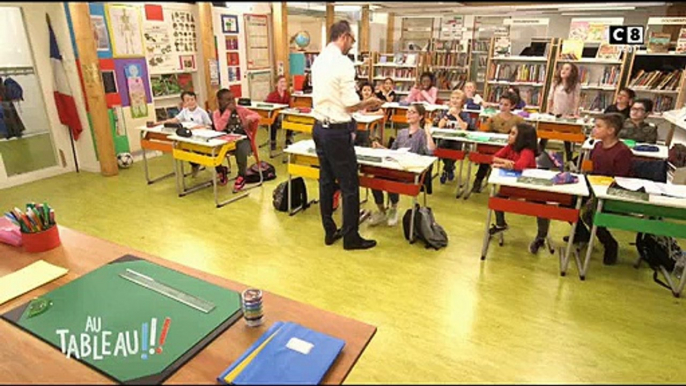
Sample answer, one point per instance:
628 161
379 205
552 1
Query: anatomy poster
125 30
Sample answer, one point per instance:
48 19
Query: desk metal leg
487 237
564 259
147 173
414 212
467 191
589 250
460 183
178 175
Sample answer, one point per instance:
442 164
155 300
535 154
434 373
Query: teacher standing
334 99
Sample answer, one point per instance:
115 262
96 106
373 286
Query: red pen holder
41 241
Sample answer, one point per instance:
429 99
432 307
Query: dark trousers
586 220
481 173
378 197
568 148
449 164
543 224
275 129
338 162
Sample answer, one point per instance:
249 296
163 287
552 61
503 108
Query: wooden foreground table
26 359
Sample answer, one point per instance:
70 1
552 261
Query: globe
302 39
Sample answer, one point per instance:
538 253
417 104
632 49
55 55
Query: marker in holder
251 302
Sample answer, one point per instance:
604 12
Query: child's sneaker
222 175
336 199
495 229
444 177
239 184
377 218
451 175
536 245
392 217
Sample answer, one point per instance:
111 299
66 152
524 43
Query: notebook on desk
287 353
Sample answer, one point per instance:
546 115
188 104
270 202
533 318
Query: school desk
205 149
554 202
157 138
26 359
660 216
301 100
479 148
398 172
292 119
268 112
398 113
587 165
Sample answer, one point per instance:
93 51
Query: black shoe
360 243
272 146
329 239
477 186
289 141
495 229
536 245
611 252
577 239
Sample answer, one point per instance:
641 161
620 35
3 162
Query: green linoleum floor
442 316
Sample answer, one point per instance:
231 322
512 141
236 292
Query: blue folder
265 336
278 363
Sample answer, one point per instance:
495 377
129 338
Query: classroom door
26 141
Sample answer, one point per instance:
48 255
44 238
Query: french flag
66 107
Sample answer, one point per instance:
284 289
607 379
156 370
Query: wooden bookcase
450 68
664 98
398 66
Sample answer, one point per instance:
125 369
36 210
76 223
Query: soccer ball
124 160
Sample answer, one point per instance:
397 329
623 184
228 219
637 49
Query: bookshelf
601 78
659 76
309 59
402 67
363 65
480 50
529 73
450 69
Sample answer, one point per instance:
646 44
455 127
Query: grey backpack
426 228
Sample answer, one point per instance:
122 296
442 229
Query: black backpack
299 190
658 251
426 228
252 175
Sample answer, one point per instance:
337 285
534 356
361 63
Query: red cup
41 241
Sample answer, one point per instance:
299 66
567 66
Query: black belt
336 125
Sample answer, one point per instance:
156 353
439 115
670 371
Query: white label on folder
299 345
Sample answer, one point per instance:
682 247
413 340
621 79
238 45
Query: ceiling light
597 10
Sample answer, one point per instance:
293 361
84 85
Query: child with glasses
636 127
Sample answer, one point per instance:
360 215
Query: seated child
625 99
425 91
612 158
499 123
191 112
473 101
418 141
386 93
520 154
635 127
521 103
234 119
457 119
280 96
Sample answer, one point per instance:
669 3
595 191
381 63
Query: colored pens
37 218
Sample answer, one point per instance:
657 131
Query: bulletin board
257 42
592 30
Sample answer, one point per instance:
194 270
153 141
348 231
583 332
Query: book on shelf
656 80
608 52
383 58
662 103
532 73
502 47
658 42
597 101
411 59
480 46
681 42
529 95
572 49
398 58
609 76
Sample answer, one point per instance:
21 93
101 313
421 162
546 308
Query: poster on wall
158 47
183 27
125 30
257 42
592 30
452 27
259 85
102 39
229 24
136 87
123 71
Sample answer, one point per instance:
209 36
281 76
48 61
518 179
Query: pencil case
9 233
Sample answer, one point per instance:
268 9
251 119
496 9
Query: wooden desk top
26 359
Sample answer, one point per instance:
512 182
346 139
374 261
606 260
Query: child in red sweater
612 158
281 96
519 154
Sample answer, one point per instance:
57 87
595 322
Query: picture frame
229 24
187 62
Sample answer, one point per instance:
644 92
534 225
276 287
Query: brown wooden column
329 21
281 38
390 26
364 29
208 52
94 90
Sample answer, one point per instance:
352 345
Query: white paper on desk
539 173
634 184
28 278
676 191
190 125
207 133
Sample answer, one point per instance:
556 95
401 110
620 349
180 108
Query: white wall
313 25
36 26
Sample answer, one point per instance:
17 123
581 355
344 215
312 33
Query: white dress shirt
333 85
198 116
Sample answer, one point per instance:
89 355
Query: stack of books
287 353
656 80
534 73
449 59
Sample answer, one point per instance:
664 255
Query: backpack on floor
299 191
252 175
658 251
426 228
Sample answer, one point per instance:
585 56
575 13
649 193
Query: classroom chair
252 137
